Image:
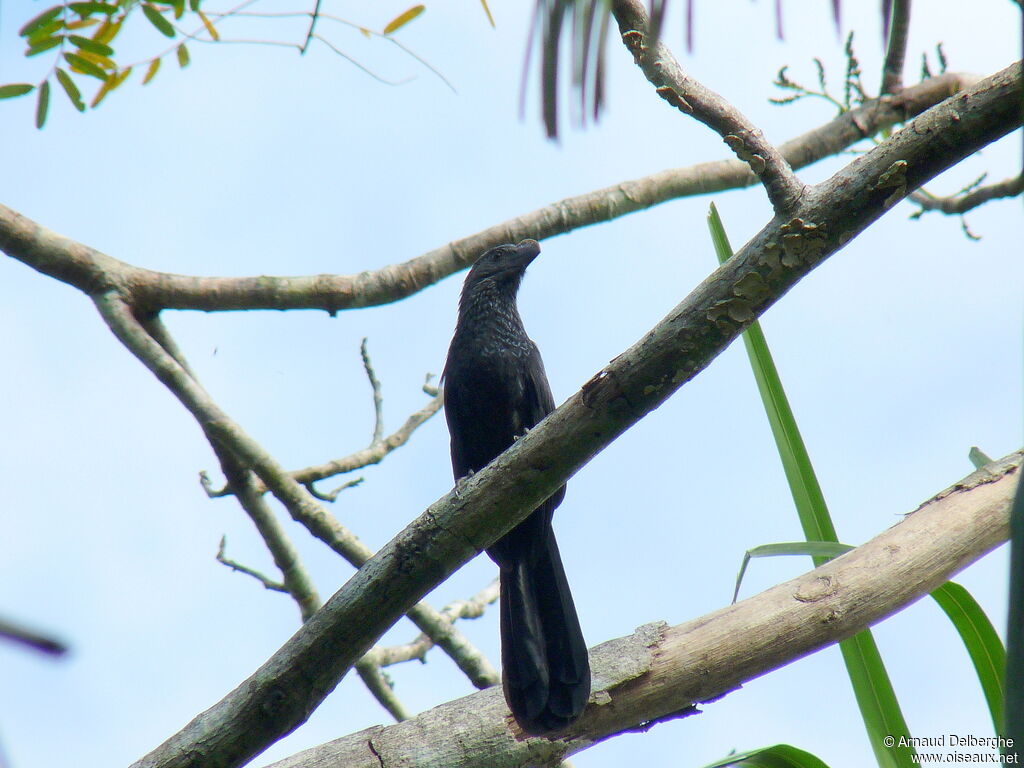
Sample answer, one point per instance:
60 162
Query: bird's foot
460 483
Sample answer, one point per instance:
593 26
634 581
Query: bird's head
504 264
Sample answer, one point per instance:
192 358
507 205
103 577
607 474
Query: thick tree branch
662 672
691 98
94 272
282 693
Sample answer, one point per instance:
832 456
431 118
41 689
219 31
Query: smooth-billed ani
495 389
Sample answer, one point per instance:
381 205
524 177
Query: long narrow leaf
1015 625
876 699
42 103
777 756
983 644
827 549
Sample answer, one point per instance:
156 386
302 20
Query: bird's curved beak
527 250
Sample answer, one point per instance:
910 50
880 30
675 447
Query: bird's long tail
544 657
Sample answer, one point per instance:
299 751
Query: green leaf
194 5
73 26
183 58
88 9
108 31
984 647
43 103
151 71
178 6
85 66
103 62
70 89
44 32
91 45
876 699
101 94
211 30
777 756
826 549
157 20
44 45
803 484
487 10
110 84
38 21
872 688
16 89
1014 715
402 19
119 77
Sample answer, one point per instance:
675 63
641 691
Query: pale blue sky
899 354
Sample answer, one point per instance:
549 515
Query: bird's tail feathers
544 656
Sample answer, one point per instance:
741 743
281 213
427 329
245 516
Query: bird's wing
537 392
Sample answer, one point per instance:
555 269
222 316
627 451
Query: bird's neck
489 313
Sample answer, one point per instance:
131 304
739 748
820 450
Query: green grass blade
876 700
1015 625
777 756
872 688
826 549
810 502
983 644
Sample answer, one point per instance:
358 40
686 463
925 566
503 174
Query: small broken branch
234 565
692 98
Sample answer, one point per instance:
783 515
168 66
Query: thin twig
368 456
378 400
373 453
332 496
896 49
312 26
967 200
394 41
370 72
32 638
234 565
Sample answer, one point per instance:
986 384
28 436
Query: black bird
495 389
